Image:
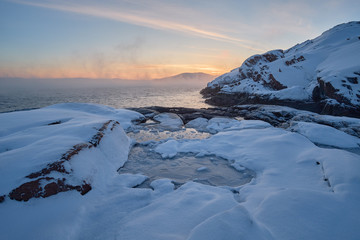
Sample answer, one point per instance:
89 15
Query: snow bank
31 140
219 124
325 135
169 120
298 189
62 148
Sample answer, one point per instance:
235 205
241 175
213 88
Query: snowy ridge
325 68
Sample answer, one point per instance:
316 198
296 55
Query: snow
169 120
219 124
175 214
201 169
332 57
300 191
235 223
288 180
325 135
199 124
28 143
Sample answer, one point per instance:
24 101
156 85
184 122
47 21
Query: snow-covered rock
219 124
199 124
169 120
323 74
61 148
325 135
281 116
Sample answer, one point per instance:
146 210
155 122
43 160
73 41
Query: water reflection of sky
118 97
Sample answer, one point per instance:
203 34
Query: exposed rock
295 60
27 190
52 186
45 186
307 76
328 90
55 123
270 57
55 166
353 80
278 116
274 84
209 92
95 140
74 150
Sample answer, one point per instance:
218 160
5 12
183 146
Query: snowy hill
197 79
321 75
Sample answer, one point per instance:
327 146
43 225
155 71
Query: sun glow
112 71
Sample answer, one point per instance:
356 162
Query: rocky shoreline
217 98
319 75
277 116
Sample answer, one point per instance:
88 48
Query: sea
115 96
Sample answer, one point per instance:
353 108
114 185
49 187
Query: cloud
141 17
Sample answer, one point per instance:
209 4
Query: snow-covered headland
321 75
62 174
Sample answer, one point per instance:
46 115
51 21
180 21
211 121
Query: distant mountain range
188 79
197 79
320 75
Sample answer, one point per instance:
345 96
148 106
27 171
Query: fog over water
20 94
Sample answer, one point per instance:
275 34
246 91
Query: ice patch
210 170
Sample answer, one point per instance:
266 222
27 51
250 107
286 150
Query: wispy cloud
140 18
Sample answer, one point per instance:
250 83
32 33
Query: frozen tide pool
206 169
210 170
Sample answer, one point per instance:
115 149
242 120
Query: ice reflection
208 169
154 133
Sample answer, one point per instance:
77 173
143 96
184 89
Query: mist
8 85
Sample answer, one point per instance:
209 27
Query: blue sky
143 39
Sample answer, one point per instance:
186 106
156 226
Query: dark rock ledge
52 186
319 103
278 116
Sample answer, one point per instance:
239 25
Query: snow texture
301 191
169 120
325 135
219 124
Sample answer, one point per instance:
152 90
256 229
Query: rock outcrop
43 184
277 116
320 75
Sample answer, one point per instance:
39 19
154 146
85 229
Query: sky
145 39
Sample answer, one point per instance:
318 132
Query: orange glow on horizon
114 71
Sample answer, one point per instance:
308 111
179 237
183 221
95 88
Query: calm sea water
118 97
